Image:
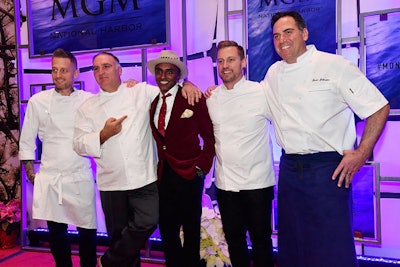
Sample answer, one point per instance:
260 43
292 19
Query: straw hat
168 56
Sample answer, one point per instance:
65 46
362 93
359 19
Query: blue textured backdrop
383 54
320 16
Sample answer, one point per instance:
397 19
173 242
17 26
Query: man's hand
191 92
208 93
131 83
112 127
351 163
29 170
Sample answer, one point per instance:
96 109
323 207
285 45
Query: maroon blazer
181 145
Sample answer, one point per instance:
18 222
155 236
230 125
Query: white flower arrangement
213 246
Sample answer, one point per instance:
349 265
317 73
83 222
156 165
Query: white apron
64 186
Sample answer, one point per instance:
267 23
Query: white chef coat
312 102
64 186
242 139
127 160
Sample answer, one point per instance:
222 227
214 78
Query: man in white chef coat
64 186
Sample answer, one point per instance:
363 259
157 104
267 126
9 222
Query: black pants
248 210
180 206
131 217
61 248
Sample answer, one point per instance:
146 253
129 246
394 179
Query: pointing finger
120 120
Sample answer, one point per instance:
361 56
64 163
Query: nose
100 70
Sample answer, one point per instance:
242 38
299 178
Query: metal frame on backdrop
339 27
366 199
363 41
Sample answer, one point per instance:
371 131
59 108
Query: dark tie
161 116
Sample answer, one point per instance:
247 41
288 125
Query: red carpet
16 257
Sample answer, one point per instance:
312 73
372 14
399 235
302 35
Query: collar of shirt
103 93
172 91
306 55
170 101
237 85
73 89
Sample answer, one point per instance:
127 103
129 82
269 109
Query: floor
16 257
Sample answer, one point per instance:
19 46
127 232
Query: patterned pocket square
187 114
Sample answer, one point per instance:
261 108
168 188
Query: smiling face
63 72
167 75
107 72
289 40
230 66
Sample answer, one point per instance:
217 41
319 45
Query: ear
244 63
119 70
76 73
305 34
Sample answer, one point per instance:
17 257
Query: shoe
99 262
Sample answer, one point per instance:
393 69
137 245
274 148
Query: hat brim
151 65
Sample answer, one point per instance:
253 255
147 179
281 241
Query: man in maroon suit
183 162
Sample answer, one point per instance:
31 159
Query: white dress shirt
169 101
